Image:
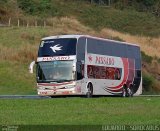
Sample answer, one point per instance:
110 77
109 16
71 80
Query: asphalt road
23 97
46 97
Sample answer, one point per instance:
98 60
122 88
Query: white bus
85 65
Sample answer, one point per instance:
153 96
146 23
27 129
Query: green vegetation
151 6
81 111
148 82
15 79
42 7
34 6
117 39
159 60
146 58
98 17
16 53
125 21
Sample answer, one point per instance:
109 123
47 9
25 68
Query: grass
80 111
15 79
14 36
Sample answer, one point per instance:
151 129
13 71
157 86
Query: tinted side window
138 64
81 49
110 48
98 47
80 70
134 53
138 73
118 49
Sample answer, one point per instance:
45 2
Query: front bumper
55 92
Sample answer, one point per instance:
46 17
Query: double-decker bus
86 65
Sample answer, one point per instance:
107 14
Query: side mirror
31 67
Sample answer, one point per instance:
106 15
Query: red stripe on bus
126 72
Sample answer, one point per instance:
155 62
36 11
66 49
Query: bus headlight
42 88
68 87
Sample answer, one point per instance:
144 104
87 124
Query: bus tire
124 91
130 90
89 90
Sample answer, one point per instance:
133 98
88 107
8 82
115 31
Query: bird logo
56 48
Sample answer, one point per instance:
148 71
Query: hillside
18 45
92 15
21 48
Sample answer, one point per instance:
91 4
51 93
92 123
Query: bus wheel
124 91
130 90
89 91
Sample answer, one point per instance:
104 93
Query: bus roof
62 36
87 36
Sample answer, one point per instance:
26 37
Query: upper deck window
57 47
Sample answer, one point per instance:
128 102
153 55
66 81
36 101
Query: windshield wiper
64 80
54 80
45 55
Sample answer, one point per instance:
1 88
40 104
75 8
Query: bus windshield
55 71
57 47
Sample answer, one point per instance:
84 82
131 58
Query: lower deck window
101 72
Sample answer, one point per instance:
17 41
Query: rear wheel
125 91
89 91
130 91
